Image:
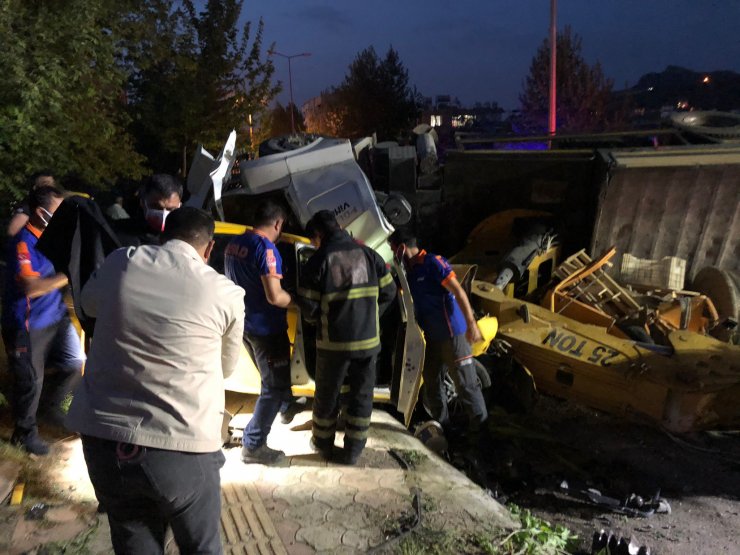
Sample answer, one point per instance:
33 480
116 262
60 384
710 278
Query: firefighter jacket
344 288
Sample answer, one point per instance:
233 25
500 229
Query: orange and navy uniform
246 259
24 261
436 308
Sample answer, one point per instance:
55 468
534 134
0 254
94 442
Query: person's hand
473 334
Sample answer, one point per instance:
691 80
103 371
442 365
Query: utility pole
290 82
552 120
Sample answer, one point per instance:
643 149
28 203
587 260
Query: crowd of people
168 330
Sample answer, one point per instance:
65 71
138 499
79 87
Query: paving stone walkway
304 505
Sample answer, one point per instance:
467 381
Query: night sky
480 50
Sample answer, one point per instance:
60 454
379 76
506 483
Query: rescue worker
447 319
21 212
344 287
253 262
36 327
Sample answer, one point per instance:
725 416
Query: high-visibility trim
356 293
386 280
344 389
358 420
24 261
309 294
324 434
355 434
348 345
324 422
448 279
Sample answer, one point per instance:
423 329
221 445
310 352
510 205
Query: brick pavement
305 505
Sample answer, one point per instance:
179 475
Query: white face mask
46 222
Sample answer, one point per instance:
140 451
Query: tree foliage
583 92
375 97
106 90
205 79
62 93
280 123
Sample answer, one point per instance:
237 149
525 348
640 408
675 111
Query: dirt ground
699 476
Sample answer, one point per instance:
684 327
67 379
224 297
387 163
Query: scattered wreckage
575 332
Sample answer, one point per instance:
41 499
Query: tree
62 101
280 123
375 96
583 92
204 80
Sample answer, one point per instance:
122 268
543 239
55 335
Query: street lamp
290 82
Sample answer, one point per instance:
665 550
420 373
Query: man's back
163 317
246 259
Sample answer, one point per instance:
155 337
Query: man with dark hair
344 287
158 197
151 403
444 313
22 212
253 261
36 327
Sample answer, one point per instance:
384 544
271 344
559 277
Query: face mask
46 222
156 217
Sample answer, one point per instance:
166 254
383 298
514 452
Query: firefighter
444 313
344 287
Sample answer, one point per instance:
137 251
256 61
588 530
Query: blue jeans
143 490
271 354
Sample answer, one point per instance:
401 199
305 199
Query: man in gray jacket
151 402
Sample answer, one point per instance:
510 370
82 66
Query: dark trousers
331 371
455 354
143 490
30 352
271 354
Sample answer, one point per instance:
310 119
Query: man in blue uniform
36 327
444 313
253 262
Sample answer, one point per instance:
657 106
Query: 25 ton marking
580 348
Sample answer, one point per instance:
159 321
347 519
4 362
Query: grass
535 537
412 457
79 545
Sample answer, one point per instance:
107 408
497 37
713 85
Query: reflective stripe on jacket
344 288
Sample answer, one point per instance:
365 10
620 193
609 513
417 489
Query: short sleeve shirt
23 260
247 258
436 308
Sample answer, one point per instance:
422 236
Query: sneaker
324 452
295 407
261 455
31 443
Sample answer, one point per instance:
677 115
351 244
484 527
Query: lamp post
551 123
290 82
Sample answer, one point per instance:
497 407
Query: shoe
261 455
344 457
31 443
295 407
324 452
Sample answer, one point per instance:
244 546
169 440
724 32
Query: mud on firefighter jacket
344 288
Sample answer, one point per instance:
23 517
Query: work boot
345 457
295 407
261 455
324 452
30 442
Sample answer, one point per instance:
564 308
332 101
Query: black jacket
76 242
345 287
